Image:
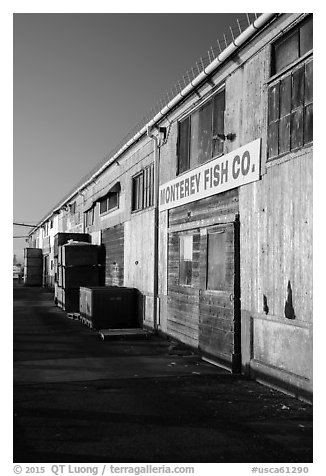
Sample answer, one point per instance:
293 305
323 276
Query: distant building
207 210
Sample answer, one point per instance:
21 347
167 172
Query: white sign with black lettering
232 170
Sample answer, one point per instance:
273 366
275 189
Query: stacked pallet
33 267
77 266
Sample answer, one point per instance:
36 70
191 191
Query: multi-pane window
185 259
290 98
89 217
292 46
109 202
201 133
143 189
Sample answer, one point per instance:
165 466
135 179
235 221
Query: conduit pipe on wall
155 139
259 23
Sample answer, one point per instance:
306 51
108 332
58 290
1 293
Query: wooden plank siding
113 243
217 326
183 301
189 306
206 208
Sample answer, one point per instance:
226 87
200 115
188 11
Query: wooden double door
219 332
204 291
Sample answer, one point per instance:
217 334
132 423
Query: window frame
223 233
106 200
143 197
287 34
185 123
87 214
295 132
182 279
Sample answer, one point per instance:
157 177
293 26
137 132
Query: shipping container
61 239
33 267
79 254
68 299
109 307
33 253
76 276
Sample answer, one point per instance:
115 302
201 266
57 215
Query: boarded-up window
185 259
143 189
199 135
216 256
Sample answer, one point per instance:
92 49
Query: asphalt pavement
80 399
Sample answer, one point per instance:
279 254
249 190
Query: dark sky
82 82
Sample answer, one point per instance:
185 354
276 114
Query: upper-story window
290 95
143 189
72 208
89 216
110 201
200 134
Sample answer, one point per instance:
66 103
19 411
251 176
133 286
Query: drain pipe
153 136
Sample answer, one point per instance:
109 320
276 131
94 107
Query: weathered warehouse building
207 209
